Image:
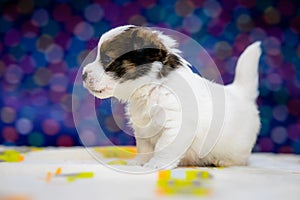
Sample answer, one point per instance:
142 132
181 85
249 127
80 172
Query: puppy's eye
106 59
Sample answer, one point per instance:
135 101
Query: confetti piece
21 158
164 174
85 175
125 152
48 177
70 177
11 156
205 175
81 175
191 174
117 162
195 183
58 171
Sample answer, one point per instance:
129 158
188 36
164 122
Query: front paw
157 164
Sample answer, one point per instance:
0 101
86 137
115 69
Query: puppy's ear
172 61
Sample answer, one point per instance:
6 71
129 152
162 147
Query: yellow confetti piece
191 174
162 183
202 191
11 156
85 175
195 183
81 175
117 162
205 175
125 152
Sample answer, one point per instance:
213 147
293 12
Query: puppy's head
129 53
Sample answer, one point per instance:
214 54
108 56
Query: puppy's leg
145 152
167 153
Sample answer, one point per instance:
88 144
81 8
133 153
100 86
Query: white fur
162 111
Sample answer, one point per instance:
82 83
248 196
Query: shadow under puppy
178 117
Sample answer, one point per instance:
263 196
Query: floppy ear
172 61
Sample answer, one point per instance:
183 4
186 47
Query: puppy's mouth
100 91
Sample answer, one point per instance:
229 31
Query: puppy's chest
148 113
139 114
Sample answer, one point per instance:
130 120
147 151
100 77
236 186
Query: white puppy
178 117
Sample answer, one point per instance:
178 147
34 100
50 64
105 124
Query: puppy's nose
84 76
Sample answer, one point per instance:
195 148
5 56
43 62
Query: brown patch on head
131 39
146 38
130 54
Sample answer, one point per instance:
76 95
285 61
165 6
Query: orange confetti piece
48 177
21 158
58 171
164 174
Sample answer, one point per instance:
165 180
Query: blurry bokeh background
43 43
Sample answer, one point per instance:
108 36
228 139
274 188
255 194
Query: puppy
178 117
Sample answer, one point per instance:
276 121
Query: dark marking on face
134 64
130 54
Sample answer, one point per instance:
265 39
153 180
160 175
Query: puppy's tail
246 72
